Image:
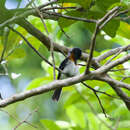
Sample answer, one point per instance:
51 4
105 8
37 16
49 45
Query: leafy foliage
72 112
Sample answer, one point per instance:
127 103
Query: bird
69 67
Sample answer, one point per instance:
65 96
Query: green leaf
120 40
104 5
63 124
111 27
83 3
1 49
17 54
34 42
50 125
38 82
66 22
13 41
73 98
125 124
93 122
126 2
76 116
124 30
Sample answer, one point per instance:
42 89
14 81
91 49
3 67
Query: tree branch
30 45
92 46
112 52
99 25
67 82
95 92
93 110
70 17
108 67
46 41
116 86
45 88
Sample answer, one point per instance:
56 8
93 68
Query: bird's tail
56 94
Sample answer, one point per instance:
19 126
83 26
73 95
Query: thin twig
93 110
112 52
25 120
12 116
30 45
52 6
103 19
125 18
92 46
47 4
11 51
99 25
124 78
52 46
121 50
64 32
113 70
30 2
97 98
5 40
123 12
71 17
97 91
55 7
100 104
107 20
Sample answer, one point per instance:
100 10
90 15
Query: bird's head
75 54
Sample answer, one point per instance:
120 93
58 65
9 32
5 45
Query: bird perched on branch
69 67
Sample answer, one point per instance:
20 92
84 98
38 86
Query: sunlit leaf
83 3
76 115
50 125
124 30
93 122
38 82
17 54
111 27
72 99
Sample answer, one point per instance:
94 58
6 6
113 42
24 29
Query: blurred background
24 70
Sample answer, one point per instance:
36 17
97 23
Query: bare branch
30 45
46 41
56 7
99 25
112 52
114 56
106 68
52 46
125 78
45 88
70 17
116 86
113 70
63 83
48 3
92 46
112 13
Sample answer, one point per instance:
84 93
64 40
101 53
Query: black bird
68 66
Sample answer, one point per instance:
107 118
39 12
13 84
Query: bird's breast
71 69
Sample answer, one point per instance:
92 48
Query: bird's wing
62 66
